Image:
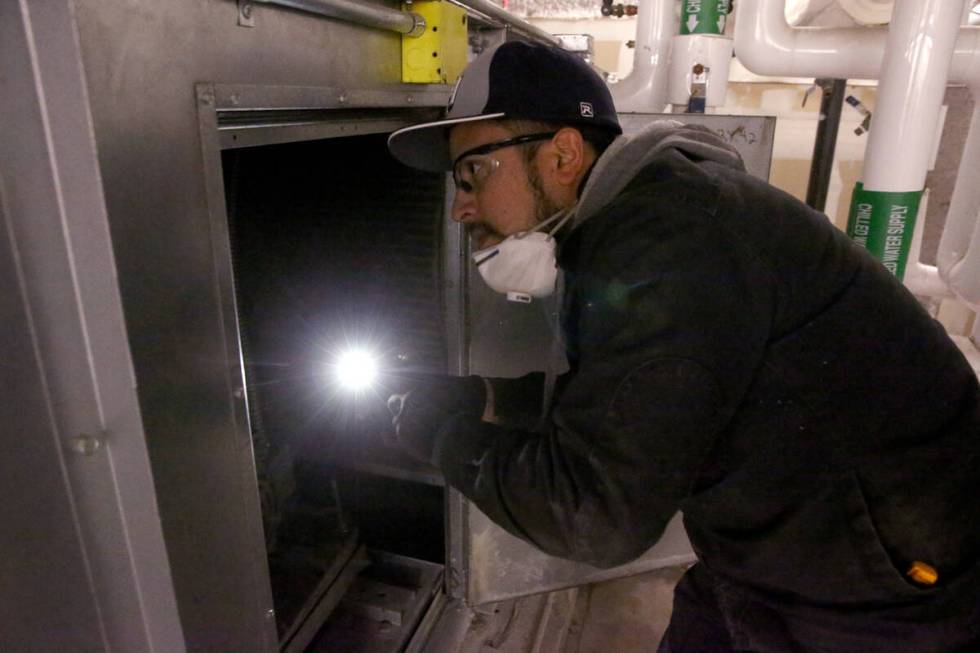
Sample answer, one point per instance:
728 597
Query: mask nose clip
489 256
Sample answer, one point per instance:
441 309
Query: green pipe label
704 16
883 223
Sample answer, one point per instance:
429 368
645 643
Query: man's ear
571 154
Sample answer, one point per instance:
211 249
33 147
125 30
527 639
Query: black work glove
424 405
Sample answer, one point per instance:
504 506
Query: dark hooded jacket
734 356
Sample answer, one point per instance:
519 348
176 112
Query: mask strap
562 216
544 223
568 213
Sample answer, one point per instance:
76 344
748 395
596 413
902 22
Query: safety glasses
472 168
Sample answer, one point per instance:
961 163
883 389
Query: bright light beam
356 369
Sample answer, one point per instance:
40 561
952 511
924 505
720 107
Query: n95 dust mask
523 265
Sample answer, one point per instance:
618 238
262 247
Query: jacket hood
627 155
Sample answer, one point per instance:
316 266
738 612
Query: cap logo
585 108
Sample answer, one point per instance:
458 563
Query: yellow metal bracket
438 56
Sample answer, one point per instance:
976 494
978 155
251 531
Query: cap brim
426 146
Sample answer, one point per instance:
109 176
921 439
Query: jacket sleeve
667 316
518 402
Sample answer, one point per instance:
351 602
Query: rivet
85 445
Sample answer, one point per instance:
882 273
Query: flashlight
356 369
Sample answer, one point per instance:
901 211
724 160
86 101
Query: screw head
246 10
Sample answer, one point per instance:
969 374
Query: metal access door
507 339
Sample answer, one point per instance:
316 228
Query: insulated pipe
645 89
922 279
361 13
909 101
958 259
919 50
767 45
885 204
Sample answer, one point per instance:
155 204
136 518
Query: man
731 355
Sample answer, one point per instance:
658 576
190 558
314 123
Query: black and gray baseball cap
513 80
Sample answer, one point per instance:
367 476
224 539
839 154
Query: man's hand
427 401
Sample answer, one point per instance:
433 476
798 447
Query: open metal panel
84 566
510 339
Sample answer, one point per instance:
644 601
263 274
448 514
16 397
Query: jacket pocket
886 575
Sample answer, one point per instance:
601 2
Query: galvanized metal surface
331 591
384 607
533 624
239 461
82 556
751 136
262 115
157 139
509 339
508 20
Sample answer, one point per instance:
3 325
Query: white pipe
918 54
922 279
959 248
767 45
958 259
645 88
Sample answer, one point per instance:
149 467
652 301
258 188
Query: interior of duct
334 244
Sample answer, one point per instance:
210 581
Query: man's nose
464 206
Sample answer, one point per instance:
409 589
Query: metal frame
257 567
250 115
268 115
456 268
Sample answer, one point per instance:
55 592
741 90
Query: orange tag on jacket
922 573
